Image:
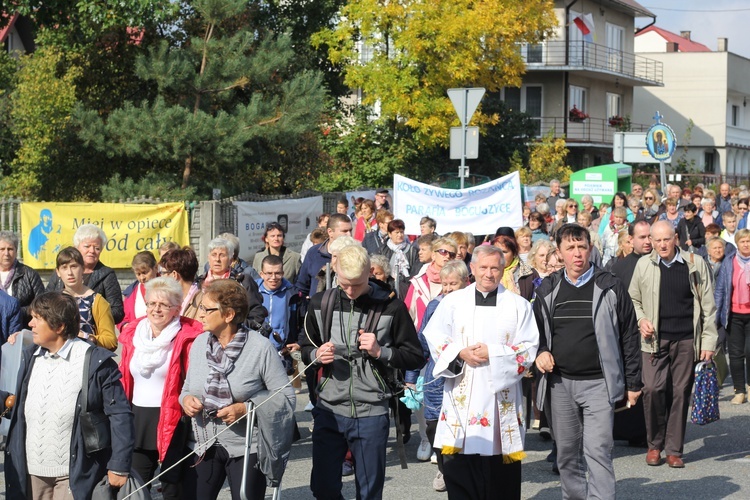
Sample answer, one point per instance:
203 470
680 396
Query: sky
706 21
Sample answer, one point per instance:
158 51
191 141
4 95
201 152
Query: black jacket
105 394
26 285
692 229
351 385
373 243
104 282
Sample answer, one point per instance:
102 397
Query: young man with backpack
361 335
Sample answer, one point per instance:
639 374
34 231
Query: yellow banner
47 228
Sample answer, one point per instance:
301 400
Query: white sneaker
433 458
438 484
424 451
309 407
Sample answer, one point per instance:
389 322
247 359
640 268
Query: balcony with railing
607 63
594 131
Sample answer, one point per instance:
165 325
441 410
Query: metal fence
590 130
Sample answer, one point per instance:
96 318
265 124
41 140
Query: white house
711 88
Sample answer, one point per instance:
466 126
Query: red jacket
171 411
128 304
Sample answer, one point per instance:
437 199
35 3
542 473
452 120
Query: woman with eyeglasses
650 210
228 366
153 362
426 285
273 238
97 323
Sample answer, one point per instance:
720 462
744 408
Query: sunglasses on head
446 253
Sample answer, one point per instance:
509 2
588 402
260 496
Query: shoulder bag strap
85 383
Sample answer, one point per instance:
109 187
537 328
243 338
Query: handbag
102 491
706 397
94 424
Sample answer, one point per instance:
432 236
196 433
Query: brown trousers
49 488
666 420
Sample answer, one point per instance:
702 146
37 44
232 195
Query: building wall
650 42
688 94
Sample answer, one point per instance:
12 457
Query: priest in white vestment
483 339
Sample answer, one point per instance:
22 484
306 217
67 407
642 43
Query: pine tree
223 92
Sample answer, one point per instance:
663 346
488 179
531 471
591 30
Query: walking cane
250 422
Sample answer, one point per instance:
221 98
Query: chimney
723 45
685 35
673 47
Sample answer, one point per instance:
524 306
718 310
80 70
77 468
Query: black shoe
545 434
555 469
552 457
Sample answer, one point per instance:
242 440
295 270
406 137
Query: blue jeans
366 437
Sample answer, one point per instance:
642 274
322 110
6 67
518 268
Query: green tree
220 99
8 142
42 102
546 161
497 144
366 152
405 55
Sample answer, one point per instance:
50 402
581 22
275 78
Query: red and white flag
585 23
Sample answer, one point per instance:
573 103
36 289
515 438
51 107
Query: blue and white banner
479 209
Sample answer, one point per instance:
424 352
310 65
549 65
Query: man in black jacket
589 355
640 233
358 333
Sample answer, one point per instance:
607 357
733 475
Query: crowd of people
455 331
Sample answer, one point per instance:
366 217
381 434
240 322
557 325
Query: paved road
717 458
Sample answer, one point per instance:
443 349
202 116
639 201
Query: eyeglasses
648 197
207 310
158 306
742 208
446 253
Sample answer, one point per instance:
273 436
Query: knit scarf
507 280
743 292
150 353
217 394
433 273
9 280
399 261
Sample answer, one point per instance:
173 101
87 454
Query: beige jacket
644 290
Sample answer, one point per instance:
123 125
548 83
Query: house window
735 116
578 97
533 53
614 105
615 39
527 99
708 162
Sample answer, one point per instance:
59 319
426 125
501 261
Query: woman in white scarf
154 360
402 256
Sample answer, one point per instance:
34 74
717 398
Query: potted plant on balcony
576 115
620 123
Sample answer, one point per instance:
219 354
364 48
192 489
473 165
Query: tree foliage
42 102
546 161
220 98
366 152
420 49
152 185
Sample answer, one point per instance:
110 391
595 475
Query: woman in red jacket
153 363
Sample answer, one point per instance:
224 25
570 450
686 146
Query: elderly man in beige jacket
674 305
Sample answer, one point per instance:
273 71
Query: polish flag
585 23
